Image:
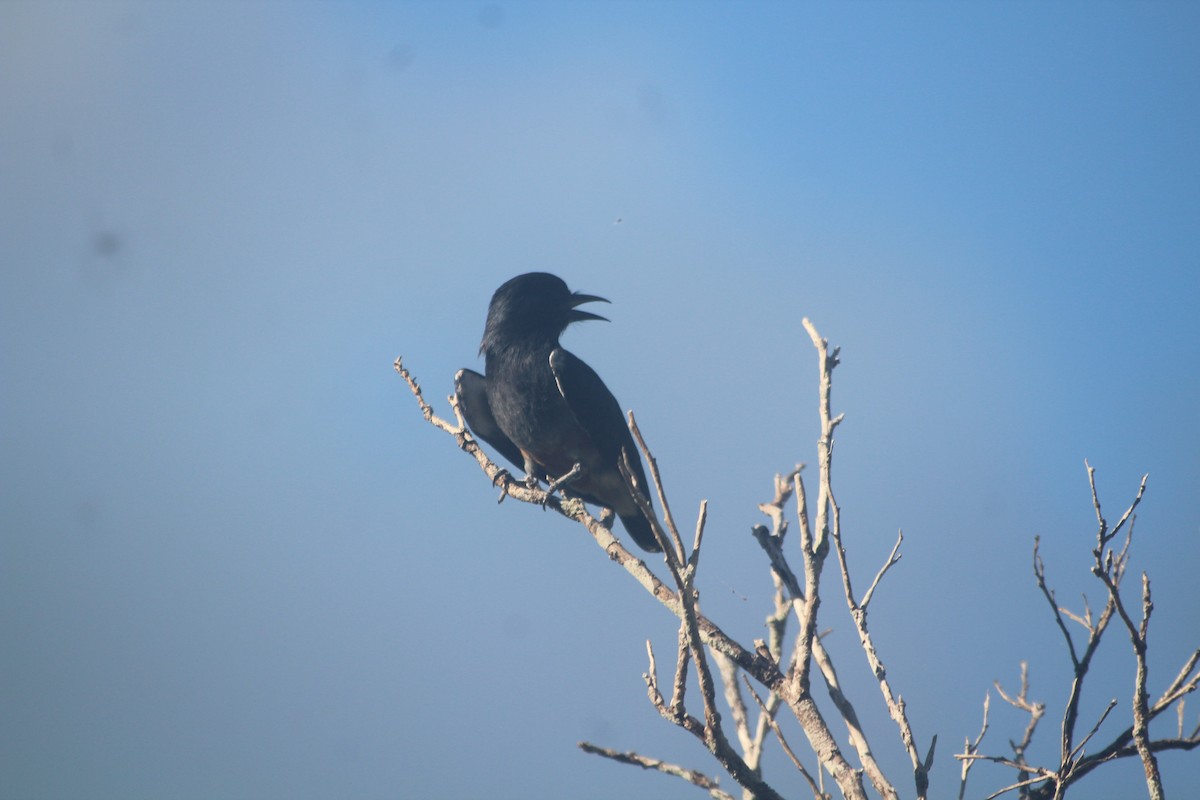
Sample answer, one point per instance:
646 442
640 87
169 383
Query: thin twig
1103 716
1181 685
1010 787
737 707
892 560
690 775
658 485
1036 710
971 748
1039 573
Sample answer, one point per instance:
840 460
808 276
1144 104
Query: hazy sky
236 563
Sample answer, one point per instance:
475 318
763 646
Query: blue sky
235 562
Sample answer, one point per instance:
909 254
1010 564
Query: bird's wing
471 389
599 414
597 411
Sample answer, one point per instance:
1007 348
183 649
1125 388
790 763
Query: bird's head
534 306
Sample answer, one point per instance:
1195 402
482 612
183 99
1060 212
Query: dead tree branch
1108 565
829 526
711 731
1110 570
972 748
711 785
785 673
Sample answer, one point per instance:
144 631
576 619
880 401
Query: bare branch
826 362
775 508
1132 506
784 577
1120 747
1079 663
807 644
658 485
691 776
1039 573
651 678
828 524
798 591
1041 773
779 565
1181 685
972 748
1108 565
893 560
1103 716
675 715
1009 788
783 601
810 595
679 686
668 538
1084 620
737 707
762 669
858 613
691 646
1109 570
812 785
693 562
1096 499
1035 710
858 735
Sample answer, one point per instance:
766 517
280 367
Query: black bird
544 409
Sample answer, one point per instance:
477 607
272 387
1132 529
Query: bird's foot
531 482
502 478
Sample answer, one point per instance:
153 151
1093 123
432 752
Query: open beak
577 299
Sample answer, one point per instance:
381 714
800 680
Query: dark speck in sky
491 16
401 57
106 244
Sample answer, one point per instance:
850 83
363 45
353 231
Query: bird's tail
639 528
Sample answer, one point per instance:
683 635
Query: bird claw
546 496
502 478
532 483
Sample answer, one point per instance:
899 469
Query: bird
544 409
